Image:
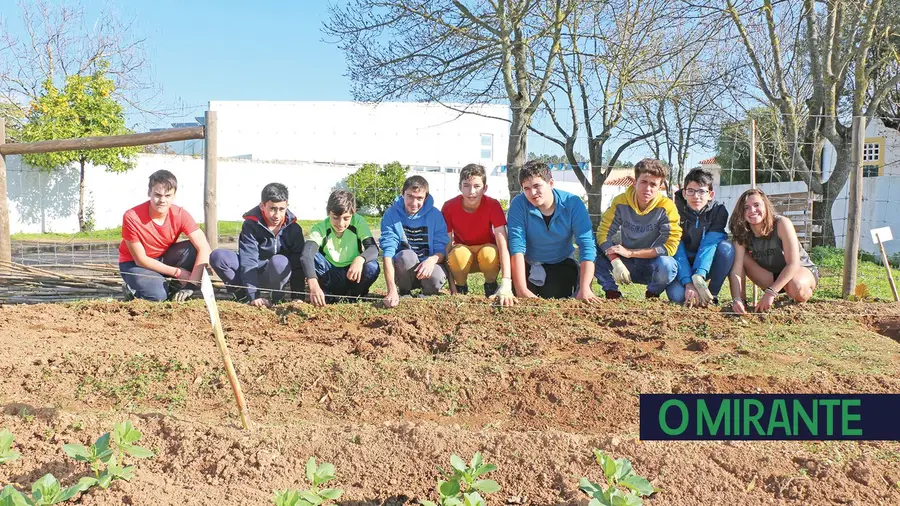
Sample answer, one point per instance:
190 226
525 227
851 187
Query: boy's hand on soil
425 268
183 294
738 307
316 296
354 273
703 292
392 299
527 294
587 296
260 302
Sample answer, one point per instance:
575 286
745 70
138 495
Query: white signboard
883 233
209 296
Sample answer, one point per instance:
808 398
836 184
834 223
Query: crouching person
704 255
269 250
340 257
767 250
650 233
414 240
544 222
477 226
153 264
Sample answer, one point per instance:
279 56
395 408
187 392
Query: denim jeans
150 285
656 273
718 271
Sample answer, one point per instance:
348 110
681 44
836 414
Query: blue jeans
718 271
272 274
333 280
656 273
151 285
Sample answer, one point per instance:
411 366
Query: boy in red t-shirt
477 228
149 255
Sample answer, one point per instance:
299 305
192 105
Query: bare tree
608 73
451 50
57 43
832 45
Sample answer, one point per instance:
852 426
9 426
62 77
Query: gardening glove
504 294
620 272
183 294
702 290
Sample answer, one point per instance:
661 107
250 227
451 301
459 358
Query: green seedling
6 441
98 455
618 472
44 492
317 476
102 457
463 487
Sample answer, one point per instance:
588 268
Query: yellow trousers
464 260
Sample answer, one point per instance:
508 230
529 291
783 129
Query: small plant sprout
101 456
463 487
44 492
617 472
317 476
6 441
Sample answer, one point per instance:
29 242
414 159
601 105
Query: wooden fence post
210 156
5 246
854 207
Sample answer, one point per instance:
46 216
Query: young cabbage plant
102 457
463 487
98 455
6 441
618 473
44 492
317 475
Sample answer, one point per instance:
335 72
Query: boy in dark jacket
269 251
703 253
414 240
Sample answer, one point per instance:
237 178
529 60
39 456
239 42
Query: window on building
487 146
873 157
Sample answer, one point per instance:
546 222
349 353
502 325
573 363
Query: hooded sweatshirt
257 244
655 227
424 232
702 231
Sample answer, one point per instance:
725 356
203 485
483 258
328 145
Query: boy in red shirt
149 255
477 228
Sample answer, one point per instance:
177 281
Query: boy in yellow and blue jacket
648 223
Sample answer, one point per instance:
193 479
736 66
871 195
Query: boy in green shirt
340 257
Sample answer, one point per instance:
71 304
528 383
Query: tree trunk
516 150
598 177
81 199
830 190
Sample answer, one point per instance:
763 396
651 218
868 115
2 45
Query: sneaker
613 294
127 294
462 289
715 301
650 295
490 289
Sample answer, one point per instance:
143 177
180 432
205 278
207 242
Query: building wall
415 134
41 202
886 138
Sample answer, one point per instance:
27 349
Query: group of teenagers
678 246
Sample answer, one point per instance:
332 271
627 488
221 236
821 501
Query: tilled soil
388 396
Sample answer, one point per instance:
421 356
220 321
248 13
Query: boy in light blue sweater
414 240
543 224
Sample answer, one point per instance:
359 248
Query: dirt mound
387 396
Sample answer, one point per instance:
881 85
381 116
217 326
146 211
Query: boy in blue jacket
543 224
414 240
269 251
703 254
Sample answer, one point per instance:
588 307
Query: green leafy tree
376 187
83 108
